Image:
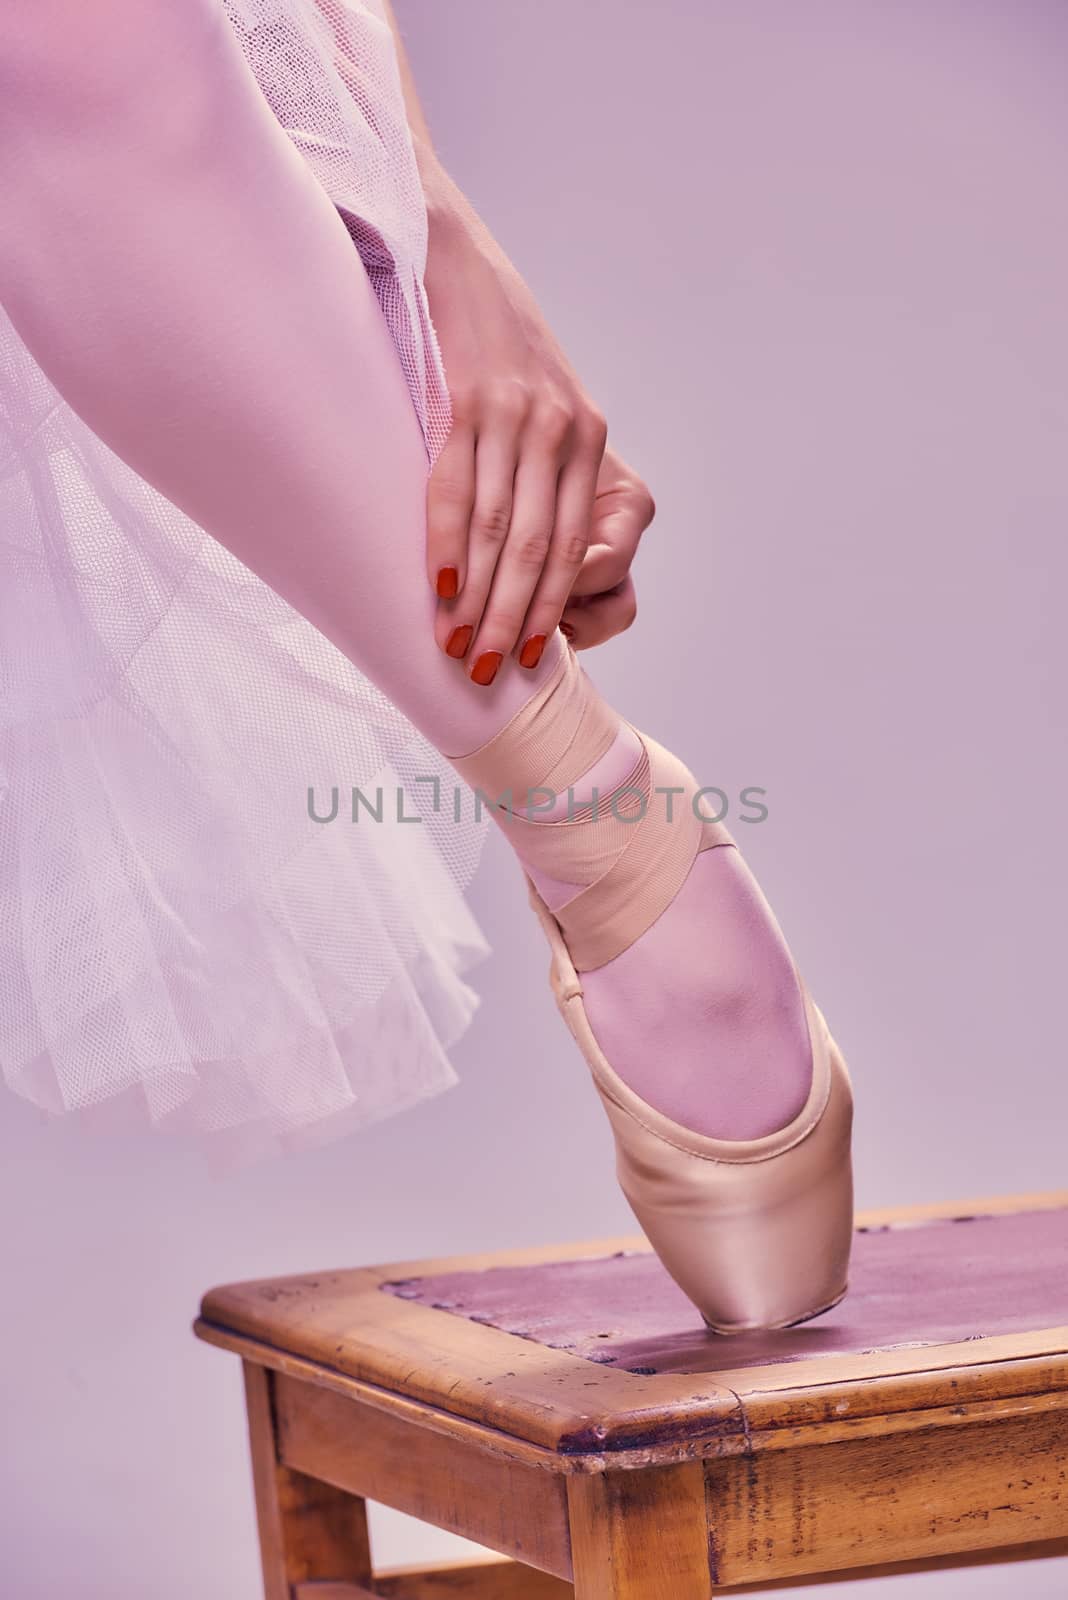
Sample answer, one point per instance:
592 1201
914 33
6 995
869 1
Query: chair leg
309 1531
640 1535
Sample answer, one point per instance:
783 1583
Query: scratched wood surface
920 1337
942 1282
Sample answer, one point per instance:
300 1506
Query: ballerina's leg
184 280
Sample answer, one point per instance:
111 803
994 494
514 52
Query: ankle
603 778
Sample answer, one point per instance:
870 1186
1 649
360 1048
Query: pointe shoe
757 1232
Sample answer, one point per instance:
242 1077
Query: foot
702 1016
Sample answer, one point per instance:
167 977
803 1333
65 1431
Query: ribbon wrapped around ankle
631 849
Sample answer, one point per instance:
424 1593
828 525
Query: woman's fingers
596 618
622 510
522 557
450 498
605 565
554 488
521 491
489 522
524 477
602 601
567 551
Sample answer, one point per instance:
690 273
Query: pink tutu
177 934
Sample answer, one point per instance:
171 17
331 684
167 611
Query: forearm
451 217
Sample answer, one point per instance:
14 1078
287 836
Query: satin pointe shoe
756 1232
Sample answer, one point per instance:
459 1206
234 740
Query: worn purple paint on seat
934 1282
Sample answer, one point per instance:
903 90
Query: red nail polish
530 654
458 641
448 584
485 668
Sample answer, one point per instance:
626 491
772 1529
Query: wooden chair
566 1408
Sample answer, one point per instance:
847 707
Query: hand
522 485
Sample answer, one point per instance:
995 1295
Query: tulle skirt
193 927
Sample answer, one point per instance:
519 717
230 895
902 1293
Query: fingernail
485 668
458 641
567 630
448 584
530 654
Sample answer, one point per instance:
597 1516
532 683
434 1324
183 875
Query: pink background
812 260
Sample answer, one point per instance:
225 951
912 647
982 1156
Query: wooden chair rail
509 1580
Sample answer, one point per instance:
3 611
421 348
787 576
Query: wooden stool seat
566 1407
